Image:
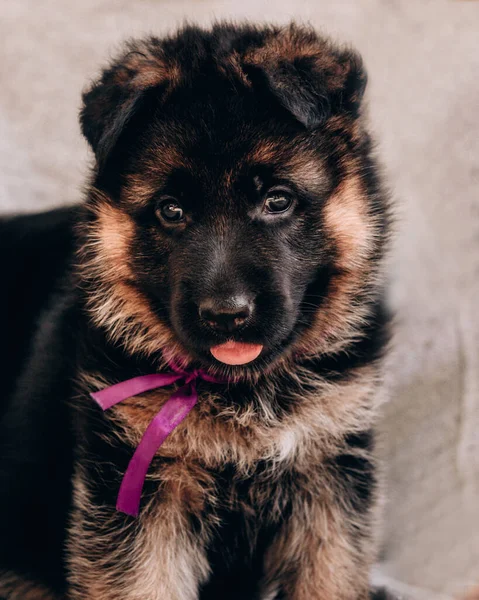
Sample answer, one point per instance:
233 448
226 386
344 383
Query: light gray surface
423 60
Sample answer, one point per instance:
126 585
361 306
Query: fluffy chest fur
285 420
226 485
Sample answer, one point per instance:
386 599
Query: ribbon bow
171 414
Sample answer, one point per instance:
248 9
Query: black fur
36 442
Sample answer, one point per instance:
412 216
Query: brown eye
278 202
170 211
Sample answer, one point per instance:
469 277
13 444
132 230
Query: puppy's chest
216 431
231 519
215 496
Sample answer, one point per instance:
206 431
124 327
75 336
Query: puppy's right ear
112 99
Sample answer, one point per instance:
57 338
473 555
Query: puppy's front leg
316 559
155 556
324 550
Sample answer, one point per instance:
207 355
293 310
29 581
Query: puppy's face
228 242
231 223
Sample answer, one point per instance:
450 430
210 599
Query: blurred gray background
423 62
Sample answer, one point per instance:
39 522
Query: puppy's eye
277 202
169 210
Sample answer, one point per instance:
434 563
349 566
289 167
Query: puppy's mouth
236 353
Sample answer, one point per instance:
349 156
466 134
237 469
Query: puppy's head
235 216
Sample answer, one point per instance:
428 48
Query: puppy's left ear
113 99
310 77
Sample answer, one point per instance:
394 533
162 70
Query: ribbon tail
114 394
172 413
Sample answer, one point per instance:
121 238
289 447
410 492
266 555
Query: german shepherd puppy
233 229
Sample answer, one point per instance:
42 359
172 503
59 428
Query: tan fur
354 233
114 235
289 44
140 188
156 556
267 151
350 226
144 66
317 558
324 553
116 303
308 172
303 167
15 587
234 61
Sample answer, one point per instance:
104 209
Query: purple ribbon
171 414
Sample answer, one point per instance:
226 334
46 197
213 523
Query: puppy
229 249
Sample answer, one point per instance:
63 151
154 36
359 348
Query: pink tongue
236 353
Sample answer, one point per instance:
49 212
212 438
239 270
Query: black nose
226 315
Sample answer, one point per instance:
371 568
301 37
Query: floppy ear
311 78
112 100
